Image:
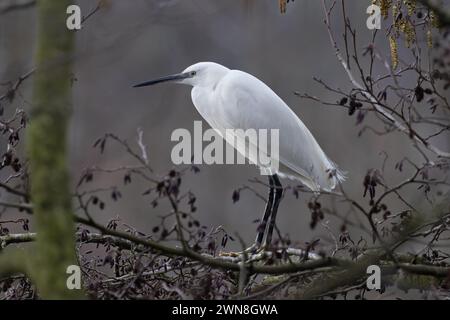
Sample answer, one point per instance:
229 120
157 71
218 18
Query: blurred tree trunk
47 152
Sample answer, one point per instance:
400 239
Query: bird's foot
250 251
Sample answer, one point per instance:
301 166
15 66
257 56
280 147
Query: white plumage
232 99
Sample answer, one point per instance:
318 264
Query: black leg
276 203
262 226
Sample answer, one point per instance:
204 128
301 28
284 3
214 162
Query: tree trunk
47 152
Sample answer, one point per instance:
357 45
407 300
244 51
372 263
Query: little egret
232 99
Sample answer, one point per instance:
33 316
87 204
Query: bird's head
202 74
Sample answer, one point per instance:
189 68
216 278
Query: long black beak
173 77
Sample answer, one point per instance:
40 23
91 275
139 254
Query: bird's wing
242 101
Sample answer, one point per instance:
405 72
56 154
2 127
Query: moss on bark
47 152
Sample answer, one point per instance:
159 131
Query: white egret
232 99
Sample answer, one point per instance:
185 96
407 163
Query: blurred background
128 42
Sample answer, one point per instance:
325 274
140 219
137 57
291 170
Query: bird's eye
193 73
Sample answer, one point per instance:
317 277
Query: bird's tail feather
339 175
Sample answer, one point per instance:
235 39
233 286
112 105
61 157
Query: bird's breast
206 104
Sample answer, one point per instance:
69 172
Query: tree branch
11 5
443 15
369 96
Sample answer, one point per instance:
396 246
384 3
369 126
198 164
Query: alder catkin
283 4
429 39
385 5
394 51
411 6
